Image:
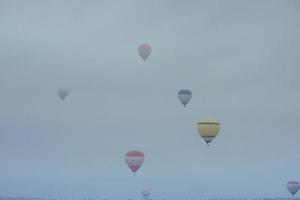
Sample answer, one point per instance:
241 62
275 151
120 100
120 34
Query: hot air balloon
145 194
63 93
144 51
208 128
293 187
184 96
134 159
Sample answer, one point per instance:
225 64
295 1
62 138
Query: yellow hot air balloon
208 129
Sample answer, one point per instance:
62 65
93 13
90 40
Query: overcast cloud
239 58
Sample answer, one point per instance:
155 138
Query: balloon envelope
63 93
208 129
134 160
184 96
293 187
144 51
145 194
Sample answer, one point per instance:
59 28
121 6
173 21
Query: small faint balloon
208 129
145 194
144 51
184 96
63 93
293 187
134 160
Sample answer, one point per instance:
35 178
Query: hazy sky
240 59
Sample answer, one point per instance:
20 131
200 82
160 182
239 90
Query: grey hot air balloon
145 194
293 187
63 93
184 96
144 51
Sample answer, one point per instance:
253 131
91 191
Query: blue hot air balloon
293 187
184 96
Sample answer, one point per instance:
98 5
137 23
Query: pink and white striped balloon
134 159
144 51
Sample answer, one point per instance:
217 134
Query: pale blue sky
239 58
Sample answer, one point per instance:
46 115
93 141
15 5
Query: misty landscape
149 100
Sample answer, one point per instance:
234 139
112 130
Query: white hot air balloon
145 194
144 51
293 187
184 96
63 93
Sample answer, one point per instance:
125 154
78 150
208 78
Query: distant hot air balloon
134 159
208 128
144 51
145 194
184 96
293 187
63 93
